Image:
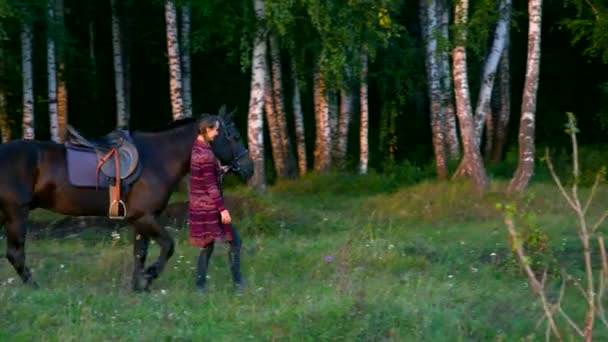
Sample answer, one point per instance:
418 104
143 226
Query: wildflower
391 246
329 258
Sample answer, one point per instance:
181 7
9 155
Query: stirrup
124 210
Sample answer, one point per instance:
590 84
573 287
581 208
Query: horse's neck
169 151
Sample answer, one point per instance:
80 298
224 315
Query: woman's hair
207 122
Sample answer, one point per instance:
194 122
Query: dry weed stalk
586 234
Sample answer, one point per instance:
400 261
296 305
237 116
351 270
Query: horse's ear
222 111
230 116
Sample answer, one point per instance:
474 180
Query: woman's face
212 132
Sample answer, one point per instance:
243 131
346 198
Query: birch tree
364 122
298 120
28 80
322 151
278 101
503 108
447 97
175 77
489 70
346 108
280 163
5 129
185 59
122 119
255 118
525 167
471 164
51 73
428 19
62 90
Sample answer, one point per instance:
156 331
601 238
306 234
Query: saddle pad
81 167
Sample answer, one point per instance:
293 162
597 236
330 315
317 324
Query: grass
325 258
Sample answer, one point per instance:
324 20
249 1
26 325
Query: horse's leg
150 228
16 219
140 252
234 256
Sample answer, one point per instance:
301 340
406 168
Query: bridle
234 166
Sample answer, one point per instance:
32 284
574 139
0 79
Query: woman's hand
225 216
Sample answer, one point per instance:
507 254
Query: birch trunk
322 146
273 128
504 108
525 167
255 117
332 111
428 20
471 163
489 70
175 77
51 73
363 133
5 129
186 63
62 90
126 41
447 98
346 108
122 119
28 81
281 117
298 120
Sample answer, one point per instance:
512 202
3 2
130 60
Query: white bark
489 70
364 128
28 82
62 90
122 119
323 138
346 108
175 77
471 163
186 63
52 74
298 120
255 119
447 99
430 27
525 167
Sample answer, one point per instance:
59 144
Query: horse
36 174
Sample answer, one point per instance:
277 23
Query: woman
209 220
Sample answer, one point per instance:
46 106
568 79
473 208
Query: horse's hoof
141 284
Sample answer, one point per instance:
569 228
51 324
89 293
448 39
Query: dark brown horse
35 174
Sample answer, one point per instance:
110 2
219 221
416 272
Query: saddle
111 162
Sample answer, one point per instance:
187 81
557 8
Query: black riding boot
203 264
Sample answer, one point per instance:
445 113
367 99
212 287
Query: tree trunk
51 74
525 167
298 120
186 63
323 139
28 81
346 108
175 77
277 95
278 157
471 163
62 90
489 70
333 112
122 119
5 129
447 98
126 41
255 118
504 108
429 23
363 133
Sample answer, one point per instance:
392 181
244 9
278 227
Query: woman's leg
203 265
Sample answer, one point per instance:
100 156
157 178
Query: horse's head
229 148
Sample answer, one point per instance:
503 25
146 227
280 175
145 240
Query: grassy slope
325 258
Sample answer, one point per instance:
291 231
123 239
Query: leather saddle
111 162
